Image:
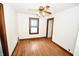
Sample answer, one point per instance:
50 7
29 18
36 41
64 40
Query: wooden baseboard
14 49
63 48
32 38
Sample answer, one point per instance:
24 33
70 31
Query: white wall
23 22
11 27
66 28
76 53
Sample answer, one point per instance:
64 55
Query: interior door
3 36
49 28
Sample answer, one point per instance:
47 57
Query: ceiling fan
44 10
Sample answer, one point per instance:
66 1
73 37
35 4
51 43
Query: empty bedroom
39 29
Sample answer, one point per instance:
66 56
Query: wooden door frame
47 26
3 32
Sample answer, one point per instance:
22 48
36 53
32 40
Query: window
33 25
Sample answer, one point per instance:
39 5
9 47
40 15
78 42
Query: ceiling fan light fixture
41 8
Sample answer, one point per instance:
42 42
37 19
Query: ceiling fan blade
48 12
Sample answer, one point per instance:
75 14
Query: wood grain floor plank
38 47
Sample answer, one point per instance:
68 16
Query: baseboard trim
14 49
63 48
32 38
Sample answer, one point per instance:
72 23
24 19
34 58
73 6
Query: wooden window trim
30 25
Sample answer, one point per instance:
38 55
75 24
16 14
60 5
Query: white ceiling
55 7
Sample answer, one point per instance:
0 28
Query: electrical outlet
68 49
18 38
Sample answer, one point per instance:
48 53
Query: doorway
3 37
49 30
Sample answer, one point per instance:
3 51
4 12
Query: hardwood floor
38 47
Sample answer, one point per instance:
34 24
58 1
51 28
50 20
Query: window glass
33 30
33 25
34 22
